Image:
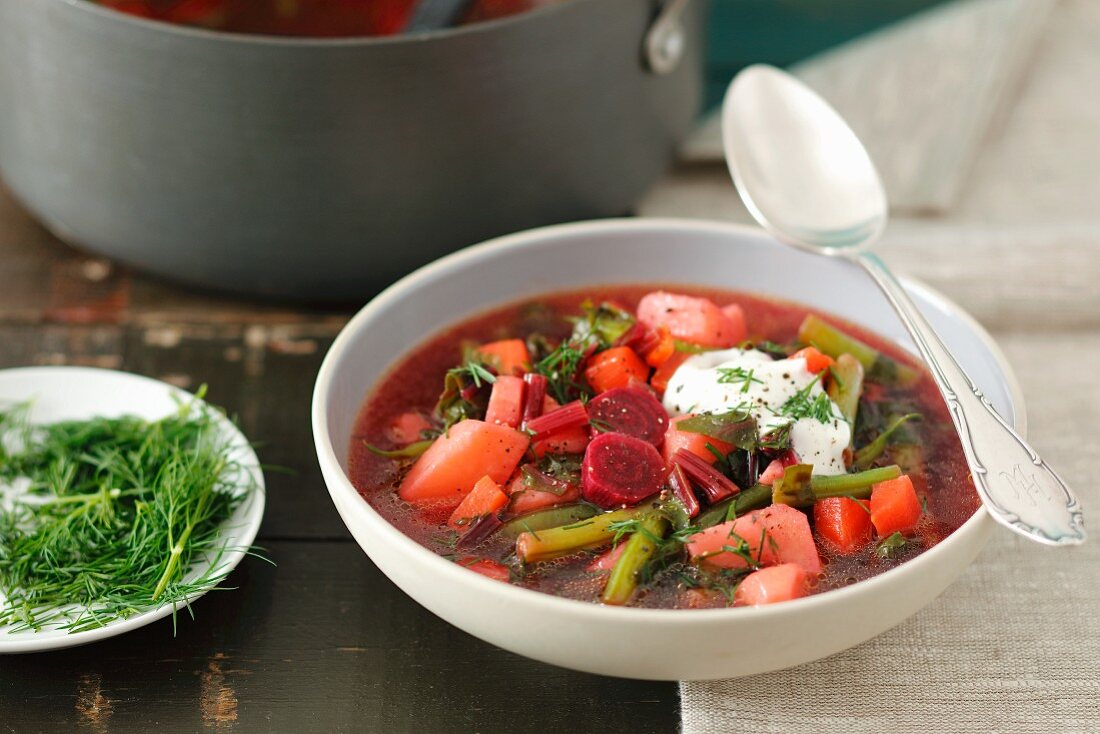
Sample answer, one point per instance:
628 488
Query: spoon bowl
800 169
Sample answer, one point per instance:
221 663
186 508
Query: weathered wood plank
264 376
324 642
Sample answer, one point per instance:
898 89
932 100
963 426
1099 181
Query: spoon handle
1018 488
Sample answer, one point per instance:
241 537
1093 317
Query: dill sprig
736 375
804 404
116 514
561 367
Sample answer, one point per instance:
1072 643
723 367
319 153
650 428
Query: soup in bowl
652 436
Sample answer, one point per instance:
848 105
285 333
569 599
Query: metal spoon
806 178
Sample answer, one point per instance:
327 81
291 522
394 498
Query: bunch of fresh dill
116 512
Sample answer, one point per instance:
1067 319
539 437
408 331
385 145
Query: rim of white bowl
249 526
976 523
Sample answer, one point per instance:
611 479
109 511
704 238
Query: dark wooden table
321 642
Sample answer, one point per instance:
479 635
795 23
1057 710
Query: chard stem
550 543
639 548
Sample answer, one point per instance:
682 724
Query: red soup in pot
311 18
663 447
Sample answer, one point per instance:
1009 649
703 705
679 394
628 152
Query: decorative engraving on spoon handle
1019 489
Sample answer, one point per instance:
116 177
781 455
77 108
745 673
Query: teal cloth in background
780 32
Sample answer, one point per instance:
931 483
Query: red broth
414 382
307 18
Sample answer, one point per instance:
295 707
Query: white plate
63 393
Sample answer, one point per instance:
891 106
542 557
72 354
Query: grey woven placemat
1012 646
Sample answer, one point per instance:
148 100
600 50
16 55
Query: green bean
639 548
834 342
753 498
856 485
549 518
799 487
846 386
867 455
593 532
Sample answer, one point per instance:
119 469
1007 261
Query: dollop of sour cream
750 380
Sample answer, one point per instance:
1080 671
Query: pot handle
664 43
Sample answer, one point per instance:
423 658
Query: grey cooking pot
324 169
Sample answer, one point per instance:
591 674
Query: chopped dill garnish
673 540
117 513
628 527
479 374
777 439
601 425
472 370
805 405
563 467
599 327
531 530
561 368
738 375
720 458
682 535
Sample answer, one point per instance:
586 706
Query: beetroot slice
632 411
620 470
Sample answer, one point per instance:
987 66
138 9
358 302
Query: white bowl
76 393
636 643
